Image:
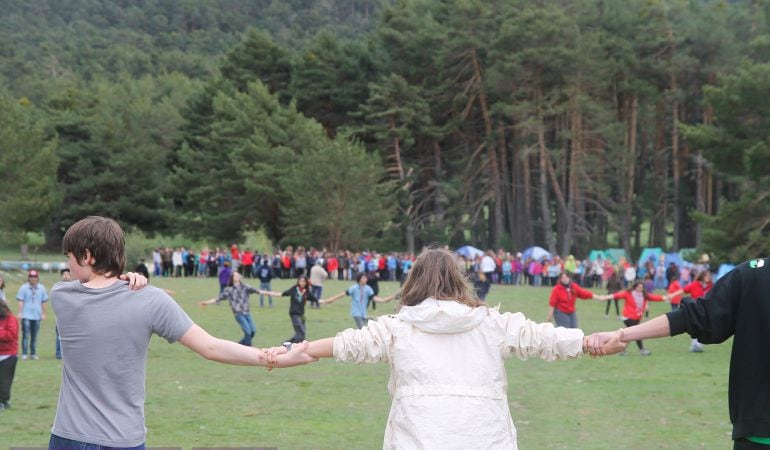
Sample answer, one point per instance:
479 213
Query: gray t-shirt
105 334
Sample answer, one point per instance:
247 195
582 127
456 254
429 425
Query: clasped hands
282 357
604 343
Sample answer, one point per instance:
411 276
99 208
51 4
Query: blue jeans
317 291
265 286
360 321
60 443
58 344
565 320
29 329
298 322
247 325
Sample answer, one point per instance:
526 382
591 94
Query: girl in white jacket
446 352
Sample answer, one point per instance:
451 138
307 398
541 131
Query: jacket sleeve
711 319
653 297
525 338
370 344
9 329
619 295
582 293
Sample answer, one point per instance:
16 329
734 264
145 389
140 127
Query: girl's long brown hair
435 274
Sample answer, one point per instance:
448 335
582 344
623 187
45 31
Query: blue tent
723 269
469 252
674 258
536 253
647 253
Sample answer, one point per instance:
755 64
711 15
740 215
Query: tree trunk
545 207
660 180
496 213
631 166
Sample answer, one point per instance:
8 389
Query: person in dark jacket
299 295
737 306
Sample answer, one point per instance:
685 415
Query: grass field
671 400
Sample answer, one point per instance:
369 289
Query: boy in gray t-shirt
105 331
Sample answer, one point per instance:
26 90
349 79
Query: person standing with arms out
636 298
9 349
237 293
299 295
64 275
738 306
32 298
360 296
562 301
446 351
105 333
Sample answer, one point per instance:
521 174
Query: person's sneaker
23 356
34 357
623 353
645 352
2 407
606 316
696 348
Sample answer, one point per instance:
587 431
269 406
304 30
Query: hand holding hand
135 280
297 355
605 343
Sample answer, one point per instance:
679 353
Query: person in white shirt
429 383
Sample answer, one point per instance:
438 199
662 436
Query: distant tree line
570 124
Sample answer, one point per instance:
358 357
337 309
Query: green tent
596 254
616 254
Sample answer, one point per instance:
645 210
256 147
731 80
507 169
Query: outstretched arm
228 352
207 302
655 328
333 298
270 293
379 299
321 348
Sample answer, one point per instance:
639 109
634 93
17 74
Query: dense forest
392 124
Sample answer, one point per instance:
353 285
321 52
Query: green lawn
673 399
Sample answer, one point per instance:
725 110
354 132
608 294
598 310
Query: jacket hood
443 316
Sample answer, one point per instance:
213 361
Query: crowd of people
438 309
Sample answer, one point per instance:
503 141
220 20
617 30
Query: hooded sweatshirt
448 384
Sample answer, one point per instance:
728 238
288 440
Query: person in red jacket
636 298
697 289
9 349
673 288
562 301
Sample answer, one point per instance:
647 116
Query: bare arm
135 280
379 299
270 293
655 328
332 299
228 352
322 348
21 308
208 302
549 317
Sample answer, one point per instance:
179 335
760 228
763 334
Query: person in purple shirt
224 276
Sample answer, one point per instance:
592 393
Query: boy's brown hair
103 238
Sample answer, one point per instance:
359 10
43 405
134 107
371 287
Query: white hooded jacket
447 375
